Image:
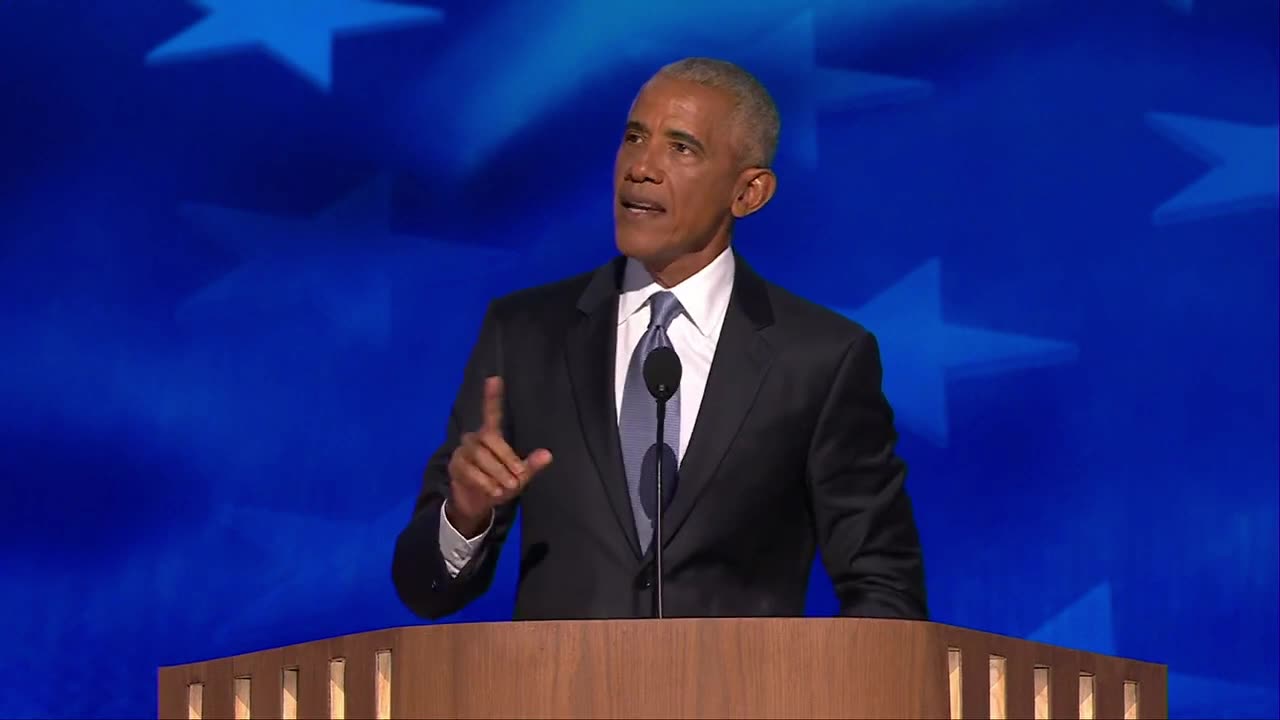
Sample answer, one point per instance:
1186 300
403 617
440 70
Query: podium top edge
959 633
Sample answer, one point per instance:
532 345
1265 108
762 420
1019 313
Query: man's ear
755 188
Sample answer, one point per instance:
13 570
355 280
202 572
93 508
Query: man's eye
631 137
681 148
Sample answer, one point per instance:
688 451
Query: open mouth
641 207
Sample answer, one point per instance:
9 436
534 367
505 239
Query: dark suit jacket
793 450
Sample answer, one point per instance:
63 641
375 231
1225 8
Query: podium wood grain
766 667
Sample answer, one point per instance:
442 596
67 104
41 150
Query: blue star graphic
276 577
1089 624
550 52
1245 175
299 34
786 61
1086 624
340 266
920 350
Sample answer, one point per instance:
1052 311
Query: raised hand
484 471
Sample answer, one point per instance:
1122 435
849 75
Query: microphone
662 372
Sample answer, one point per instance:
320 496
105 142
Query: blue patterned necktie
638 423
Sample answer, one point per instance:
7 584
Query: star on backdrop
1245 175
1085 624
786 61
296 33
920 350
533 58
272 583
341 266
1088 624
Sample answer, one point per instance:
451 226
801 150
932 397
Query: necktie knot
663 309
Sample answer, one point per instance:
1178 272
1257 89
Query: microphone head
662 373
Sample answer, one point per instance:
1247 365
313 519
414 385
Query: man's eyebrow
683 136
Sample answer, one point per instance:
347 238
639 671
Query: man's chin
646 250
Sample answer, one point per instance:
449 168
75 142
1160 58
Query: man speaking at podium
777 441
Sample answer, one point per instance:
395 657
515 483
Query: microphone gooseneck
662 372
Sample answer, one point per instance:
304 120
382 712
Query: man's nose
645 167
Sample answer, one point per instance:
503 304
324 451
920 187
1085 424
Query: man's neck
684 267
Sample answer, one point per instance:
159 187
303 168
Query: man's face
676 172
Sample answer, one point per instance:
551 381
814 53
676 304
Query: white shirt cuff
456 550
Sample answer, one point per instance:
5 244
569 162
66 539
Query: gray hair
755 114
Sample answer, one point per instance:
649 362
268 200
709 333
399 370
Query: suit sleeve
866 528
418 571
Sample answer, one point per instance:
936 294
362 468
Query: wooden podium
715 668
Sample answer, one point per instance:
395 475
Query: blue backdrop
245 246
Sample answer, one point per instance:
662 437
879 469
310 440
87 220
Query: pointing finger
493 404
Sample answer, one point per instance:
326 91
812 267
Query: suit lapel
590 351
739 366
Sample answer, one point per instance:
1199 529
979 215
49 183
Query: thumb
537 461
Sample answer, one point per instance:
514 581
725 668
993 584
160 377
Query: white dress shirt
694 334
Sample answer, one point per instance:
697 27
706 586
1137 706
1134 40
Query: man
784 439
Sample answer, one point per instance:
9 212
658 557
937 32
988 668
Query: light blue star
1088 624
272 538
920 350
340 266
536 57
1085 624
300 34
1245 175
786 61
